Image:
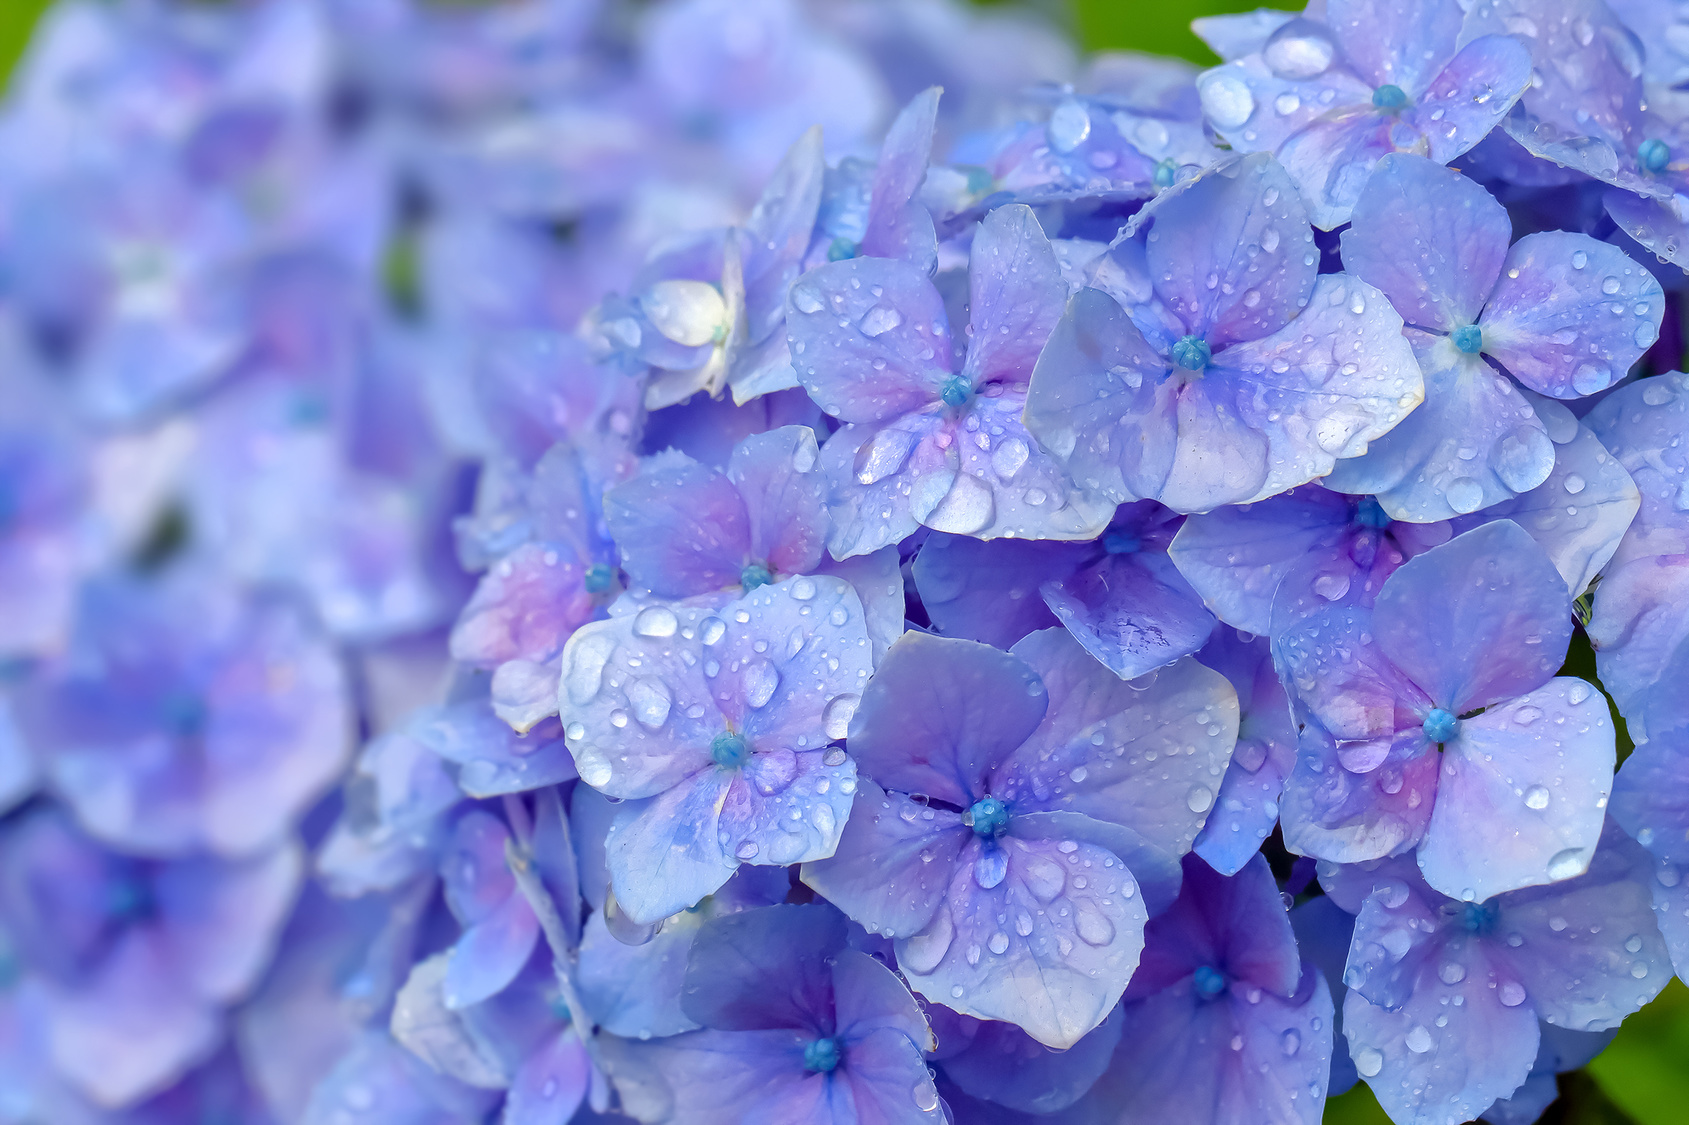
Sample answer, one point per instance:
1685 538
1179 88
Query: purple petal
896 856
1321 388
870 338
1098 402
758 1070
492 758
1334 813
1134 613
877 578
1435 1060
1503 618
874 474
987 591
765 968
1016 295
779 231
1333 156
1419 472
524 608
1146 755
869 999
1471 95
1649 799
1656 224
550 1084
785 496
888 1080
1579 514
1045 948
1403 45
940 715
1335 667
683 527
1429 238
1522 795
635 989
1244 223
1237 925
490 954
1247 806
1570 314
1591 953
767 666
898 227
1003 1064
1235 557
476 880
220 920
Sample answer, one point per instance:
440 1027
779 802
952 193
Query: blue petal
1050 947
765 968
551 1084
1323 933
1347 816
987 591
899 227
785 498
1502 618
779 231
1430 239
1016 295
1247 806
1649 798
1522 794
682 527
490 954
634 990
1003 1064
1134 613
1570 314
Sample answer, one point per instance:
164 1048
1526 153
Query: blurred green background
1643 1078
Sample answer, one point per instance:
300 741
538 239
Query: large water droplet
879 320
836 716
1199 799
651 701
1092 927
1536 797
923 952
1566 864
593 766
656 621
1418 1040
1069 125
1290 1042
1043 878
1299 50
1226 97
1511 994
965 507
583 665
1369 1061
760 680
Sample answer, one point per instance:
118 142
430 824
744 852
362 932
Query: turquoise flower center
988 817
729 751
1441 725
822 1056
1469 338
1191 353
1389 97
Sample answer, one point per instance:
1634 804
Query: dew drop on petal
1511 993
1199 799
1536 797
1418 1040
656 621
1369 1061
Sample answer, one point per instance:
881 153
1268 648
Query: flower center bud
1191 353
1469 338
1441 726
987 816
822 1056
130 900
1370 513
1389 97
1209 981
754 575
1479 917
1653 155
957 391
1165 173
729 750
597 578
842 249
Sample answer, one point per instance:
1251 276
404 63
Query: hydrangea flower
795 1026
1563 314
1636 623
1354 80
138 958
1458 740
1223 1018
1002 1064
925 444
1120 597
713 725
1231 344
1019 802
1445 995
42 491
188 717
688 531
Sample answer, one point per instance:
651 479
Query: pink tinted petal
785 498
895 859
870 999
523 608
940 715
1332 159
1498 611
1429 239
1016 296
1069 928
1334 665
490 954
1243 223
1008 485
1571 314
870 338
888 1082
1331 812
1471 95
874 473
1523 793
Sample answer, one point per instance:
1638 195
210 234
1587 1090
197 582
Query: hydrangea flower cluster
728 561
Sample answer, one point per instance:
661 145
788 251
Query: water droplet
1609 285
1369 1061
802 589
1199 799
1633 943
965 507
1536 797
574 731
806 300
926 1095
1639 970
711 630
1299 50
1464 495
651 701
1579 259
1069 125
1044 879
879 320
999 943
922 953
593 766
1451 972
1226 97
746 851
1511 993
656 621
1009 457
1290 1042
760 681
1418 1040
1093 928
